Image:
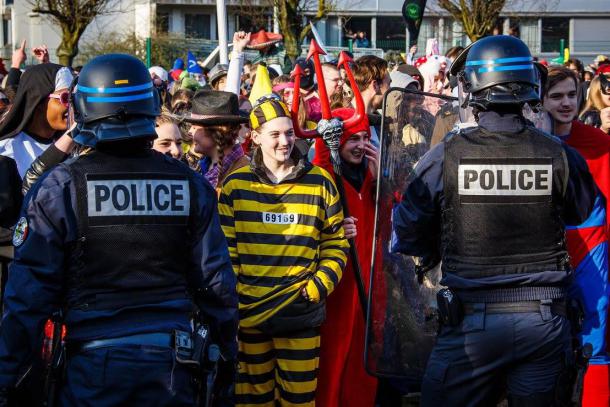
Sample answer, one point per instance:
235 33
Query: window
353 25
528 32
391 33
252 23
162 23
554 30
197 25
428 29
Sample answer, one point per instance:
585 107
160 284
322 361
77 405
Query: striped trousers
277 369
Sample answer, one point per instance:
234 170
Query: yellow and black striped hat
266 110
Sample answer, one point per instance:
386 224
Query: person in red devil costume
342 379
343 148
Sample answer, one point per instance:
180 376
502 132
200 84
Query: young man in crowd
332 79
373 80
343 378
587 243
282 219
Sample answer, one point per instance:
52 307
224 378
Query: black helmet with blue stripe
114 99
499 70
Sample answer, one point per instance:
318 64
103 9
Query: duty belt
556 307
163 340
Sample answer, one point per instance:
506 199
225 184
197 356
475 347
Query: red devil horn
294 109
344 59
297 71
315 48
344 62
315 51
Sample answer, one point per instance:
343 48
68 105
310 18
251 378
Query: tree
293 18
72 17
478 17
290 17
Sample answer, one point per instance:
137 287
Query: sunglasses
63 97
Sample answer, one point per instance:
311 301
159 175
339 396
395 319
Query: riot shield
401 317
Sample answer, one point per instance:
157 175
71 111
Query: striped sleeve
333 246
227 221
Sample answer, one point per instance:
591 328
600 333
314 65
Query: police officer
491 202
123 240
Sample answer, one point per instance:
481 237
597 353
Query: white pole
276 19
221 23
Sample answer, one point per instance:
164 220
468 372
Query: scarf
212 174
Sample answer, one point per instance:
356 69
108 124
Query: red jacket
594 145
342 379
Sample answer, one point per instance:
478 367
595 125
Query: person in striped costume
282 219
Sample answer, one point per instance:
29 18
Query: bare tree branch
291 14
477 17
72 17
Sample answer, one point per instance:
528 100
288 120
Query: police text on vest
139 197
505 179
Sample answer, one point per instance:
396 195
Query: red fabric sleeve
321 157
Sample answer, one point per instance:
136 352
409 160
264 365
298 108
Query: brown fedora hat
214 107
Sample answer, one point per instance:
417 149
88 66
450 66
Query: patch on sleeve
21 232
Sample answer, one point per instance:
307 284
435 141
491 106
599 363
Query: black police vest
503 195
135 226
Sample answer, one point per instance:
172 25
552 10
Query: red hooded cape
594 146
342 379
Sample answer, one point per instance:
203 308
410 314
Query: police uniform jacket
421 219
41 279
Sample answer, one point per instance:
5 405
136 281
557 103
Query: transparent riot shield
401 318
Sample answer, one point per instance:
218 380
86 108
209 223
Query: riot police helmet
498 70
114 99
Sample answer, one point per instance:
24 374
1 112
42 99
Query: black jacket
10 192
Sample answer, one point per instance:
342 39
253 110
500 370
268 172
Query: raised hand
372 155
41 53
240 40
19 56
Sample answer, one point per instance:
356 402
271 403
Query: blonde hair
594 99
165 118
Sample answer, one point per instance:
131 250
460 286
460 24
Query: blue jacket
417 219
34 291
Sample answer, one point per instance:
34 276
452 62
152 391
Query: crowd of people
278 210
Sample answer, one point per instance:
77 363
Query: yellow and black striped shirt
282 237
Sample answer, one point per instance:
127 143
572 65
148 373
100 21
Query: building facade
543 24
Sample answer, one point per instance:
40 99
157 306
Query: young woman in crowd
343 378
169 139
596 112
283 222
38 114
215 123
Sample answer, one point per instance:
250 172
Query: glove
425 264
3 397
